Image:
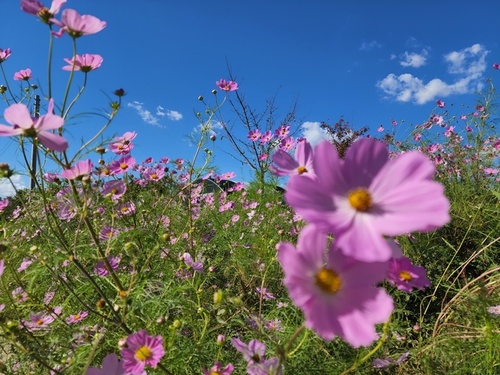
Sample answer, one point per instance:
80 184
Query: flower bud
221 339
218 297
119 92
200 98
3 89
5 171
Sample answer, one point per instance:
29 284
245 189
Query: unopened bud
200 98
119 92
218 297
214 92
5 171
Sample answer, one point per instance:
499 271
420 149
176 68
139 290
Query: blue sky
369 61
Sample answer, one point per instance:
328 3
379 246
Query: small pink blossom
380 129
254 135
23 75
496 66
227 85
84 63
79 170
72 319
3 204
405 276
266 137
36 8
124 164
142 350
217 369
4 54
440 103
282 131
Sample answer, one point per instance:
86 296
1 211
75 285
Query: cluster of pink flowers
362 200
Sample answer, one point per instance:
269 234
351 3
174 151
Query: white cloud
467 64
413 59
6 189
313 132
368 46
171 114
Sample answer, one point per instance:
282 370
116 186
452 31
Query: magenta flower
84 63
2 266
217 369
254 354
336 293
23 124
72 319
79 170
77 25
253 135
266 137
153 174
227 85
405 276
36 8
114 189
282 131
3 204
285 165
23 75
188 260
496 66
142 350
368 196
111 365
100 268
124 164
440 103
4 54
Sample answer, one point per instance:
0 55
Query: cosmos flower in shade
41 321
285 164
336 293
405 276
79 170
227 85
494 310
111 365
387 362
72 319
23 75
217 369
100 267
4 54
125 209
77 25
84 63
23 124
368 196
188 260
142 350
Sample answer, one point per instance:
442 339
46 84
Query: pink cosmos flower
336 293
100 268
36 8
77 25
2 266
3 203
254 135
22 123
380 129
266 137
227 85
494 310
217 369
111 365
405 276
188 260
4 54
142 350
72 319
123 145
440 103
282 131
84 63
367 195
496 66
124 164
126 209
254 354
302 165
79 170
287 143
114 189
41 320
153 174
23 75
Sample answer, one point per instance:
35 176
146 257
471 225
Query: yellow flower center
154 176
405 276
328 281
143 353
77 316
114 191
215 373
123 165
301 169
360 199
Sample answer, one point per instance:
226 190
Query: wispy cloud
368 46
6 189
467 65
312 131
154 118
171 114
413 59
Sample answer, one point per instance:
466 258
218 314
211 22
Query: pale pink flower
124 164
142 350
336 292
111 365
226 85
368 196
23 75
2 266
84 63
72 319
217 369
114 189
23 124
4 54
3 203
77 25
123 145
380 129
79 170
